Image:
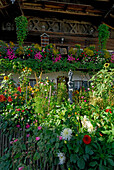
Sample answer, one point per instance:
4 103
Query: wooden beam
59 11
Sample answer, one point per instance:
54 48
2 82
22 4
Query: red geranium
108 110
19 89
2 98
10 99
87 139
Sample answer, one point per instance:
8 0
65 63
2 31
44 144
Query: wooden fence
5 145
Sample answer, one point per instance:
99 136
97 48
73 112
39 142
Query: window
80 83
32 82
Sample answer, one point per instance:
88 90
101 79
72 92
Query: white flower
66 134
87 124
61 158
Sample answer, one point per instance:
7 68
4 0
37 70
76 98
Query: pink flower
17 109
88 88
37 138
11 142
80 107
60 137
19 89
28 135
21 168
92 86
22 110
15 140
84 100
27 126
17 126
82 97
39 127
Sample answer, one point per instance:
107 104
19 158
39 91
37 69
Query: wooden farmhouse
63 23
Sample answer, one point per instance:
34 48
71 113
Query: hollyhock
87 139
37 138
19 89
10 99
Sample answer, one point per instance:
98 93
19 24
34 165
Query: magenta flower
60 137
70 58
39 127
21 168
27 126
18 126
22 110
11 142
37 138
15 140
38 56
28 135
82 97
84 100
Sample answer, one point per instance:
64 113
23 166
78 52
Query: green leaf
111 162
93 163
36 156
17 155
73 158
76 149
81 163
87 149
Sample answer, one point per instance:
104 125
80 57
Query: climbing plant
21 29
103 35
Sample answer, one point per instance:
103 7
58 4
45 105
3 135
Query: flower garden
43 130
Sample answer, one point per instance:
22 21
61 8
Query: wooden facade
66 22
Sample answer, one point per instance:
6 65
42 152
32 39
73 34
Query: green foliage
103 35
62 94
44 137
21 28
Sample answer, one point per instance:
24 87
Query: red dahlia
87 139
